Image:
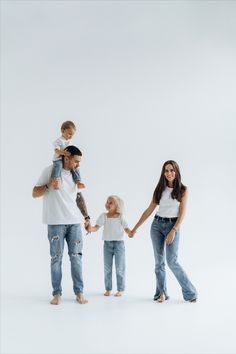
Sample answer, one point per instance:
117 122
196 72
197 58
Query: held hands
170 237
131 233
87 226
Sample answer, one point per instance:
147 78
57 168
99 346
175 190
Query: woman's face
169 174
110 206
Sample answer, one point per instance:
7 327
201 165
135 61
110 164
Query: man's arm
39 191
82 205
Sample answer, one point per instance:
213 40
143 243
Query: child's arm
93 228
61 152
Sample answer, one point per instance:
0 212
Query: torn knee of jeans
55 238
76 254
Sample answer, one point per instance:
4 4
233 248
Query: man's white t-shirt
113 229
60 144
59 205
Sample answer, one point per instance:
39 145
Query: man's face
71 163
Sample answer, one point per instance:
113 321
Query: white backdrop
144 82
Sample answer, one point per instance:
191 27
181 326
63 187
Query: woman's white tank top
168 207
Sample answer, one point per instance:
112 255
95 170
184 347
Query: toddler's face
68 133
110 206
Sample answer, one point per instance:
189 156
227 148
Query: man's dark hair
73 150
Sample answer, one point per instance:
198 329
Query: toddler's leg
77 179
56 173
108 258
120 266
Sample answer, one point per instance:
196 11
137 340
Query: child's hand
66 153
131 233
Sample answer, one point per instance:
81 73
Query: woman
171 196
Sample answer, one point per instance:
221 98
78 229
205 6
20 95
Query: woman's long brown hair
178 187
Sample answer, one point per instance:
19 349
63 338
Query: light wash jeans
159 232
73 236
57 167
116 249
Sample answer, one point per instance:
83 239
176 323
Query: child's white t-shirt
113 229
60 144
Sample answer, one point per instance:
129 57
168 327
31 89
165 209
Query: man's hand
87 225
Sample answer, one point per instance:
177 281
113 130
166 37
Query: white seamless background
144 81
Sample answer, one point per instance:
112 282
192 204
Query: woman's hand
131 233
170 237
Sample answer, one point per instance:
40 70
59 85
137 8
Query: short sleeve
101 220
45 177
123 222
58 143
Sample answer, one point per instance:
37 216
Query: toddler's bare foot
55 300
81 299
80 185
56 183
107 293
119 293
161 298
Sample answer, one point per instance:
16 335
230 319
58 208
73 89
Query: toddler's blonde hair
118 202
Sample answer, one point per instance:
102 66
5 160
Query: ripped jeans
73 236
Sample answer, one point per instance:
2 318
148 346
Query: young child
114 225
68 129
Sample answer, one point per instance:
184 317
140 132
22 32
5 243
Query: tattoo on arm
81 204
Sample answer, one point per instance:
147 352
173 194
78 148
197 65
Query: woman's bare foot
55 300
81 299
161 298
119 293
107 293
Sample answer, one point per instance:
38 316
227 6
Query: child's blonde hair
68 124
118 202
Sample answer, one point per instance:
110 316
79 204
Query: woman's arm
182 208
144 216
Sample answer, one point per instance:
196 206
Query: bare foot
56 183
161 298
119 293
81 299
80 185
107 293
55 300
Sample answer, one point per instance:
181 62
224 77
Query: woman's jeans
159 231
73 236
57 167
117 249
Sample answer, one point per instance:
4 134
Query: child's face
68 133
110 206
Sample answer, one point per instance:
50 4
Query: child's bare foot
55 183
107 293
161 298
80 185
55 300
81 299
119 293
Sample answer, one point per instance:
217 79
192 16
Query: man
61 214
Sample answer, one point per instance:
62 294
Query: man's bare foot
161 298
119 293
107 293
80 185
55 300
56 183
81 299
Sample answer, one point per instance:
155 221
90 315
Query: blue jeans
56 171
73 236
159 232
117 249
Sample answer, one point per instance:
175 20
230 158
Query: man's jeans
117 249
159 232
73 236
57 167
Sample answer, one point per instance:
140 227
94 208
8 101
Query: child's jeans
117 249
56 171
